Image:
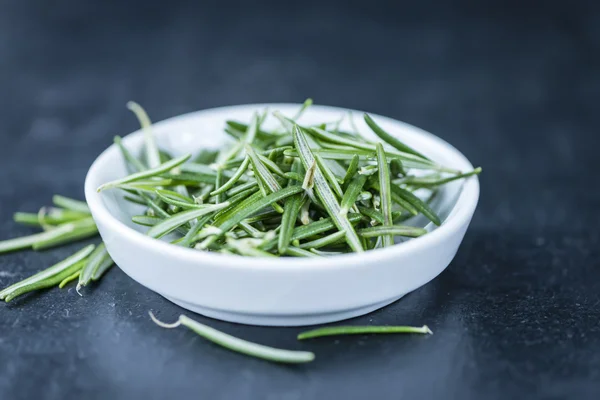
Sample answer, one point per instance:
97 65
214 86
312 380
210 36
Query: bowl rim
460 214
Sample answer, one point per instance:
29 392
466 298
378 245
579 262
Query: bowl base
281 320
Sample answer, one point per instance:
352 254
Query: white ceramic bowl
282 291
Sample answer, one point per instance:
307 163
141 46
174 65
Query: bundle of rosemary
294 191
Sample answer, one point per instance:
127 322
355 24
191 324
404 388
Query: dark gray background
514 85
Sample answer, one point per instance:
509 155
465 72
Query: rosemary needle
152 153
28 241
45 283
50 272
359 330
417 203
234 179
292 207
426 181
352 191
351 171
252 207
134 165
329 175
83 229
393 230
170 224
71 204
239 345
69 279
391 140
385 193
161 168
298 252
63 233
307 103
324 241
52 216
106 264
91 265
325 193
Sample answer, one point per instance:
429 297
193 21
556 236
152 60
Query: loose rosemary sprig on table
239 345
361 330
67 221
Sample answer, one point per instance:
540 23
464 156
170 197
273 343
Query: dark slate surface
515 87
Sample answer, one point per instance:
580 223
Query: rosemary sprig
239 345
389 139
93 262
149 173
29 283
361 330
385 193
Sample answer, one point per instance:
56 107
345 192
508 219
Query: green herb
325 192
51 216
146 220
329 176
352 192
396 198
351 171
307 103
71 204
177 200
34 281
324 241
82 229
249 208
69 279
385 193
361 330
292 207
239 345
92 264
394 230
417 203
170 224
152 153
161 168
234 178
63 233
432 181
317 227
45 283
133 164
104 266
266 181
298 252
389 139
219 197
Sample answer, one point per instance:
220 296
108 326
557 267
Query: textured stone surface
515 87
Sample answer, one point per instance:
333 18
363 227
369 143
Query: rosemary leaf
325 193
